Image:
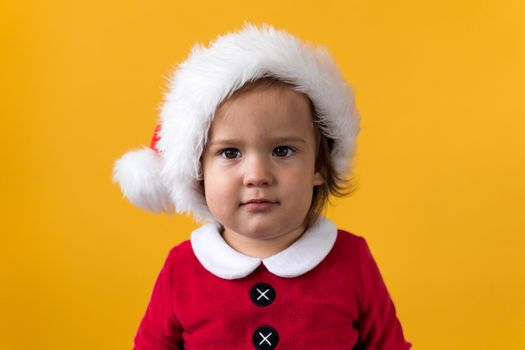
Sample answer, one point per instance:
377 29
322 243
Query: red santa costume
322 292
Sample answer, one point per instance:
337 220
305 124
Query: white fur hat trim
138 173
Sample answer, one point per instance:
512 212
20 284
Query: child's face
261 147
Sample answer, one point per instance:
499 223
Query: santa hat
165 177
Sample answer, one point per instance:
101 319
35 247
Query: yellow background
440 165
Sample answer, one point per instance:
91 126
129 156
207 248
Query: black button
262 294
265 338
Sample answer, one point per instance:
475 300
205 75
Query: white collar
303 255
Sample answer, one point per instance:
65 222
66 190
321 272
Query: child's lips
259 205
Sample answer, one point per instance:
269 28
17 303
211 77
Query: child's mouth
259 205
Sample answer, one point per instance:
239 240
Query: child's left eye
283 151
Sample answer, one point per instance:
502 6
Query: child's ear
318 178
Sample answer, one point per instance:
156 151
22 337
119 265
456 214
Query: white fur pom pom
138 173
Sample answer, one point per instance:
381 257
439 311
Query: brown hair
335 184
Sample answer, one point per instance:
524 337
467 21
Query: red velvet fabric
341 304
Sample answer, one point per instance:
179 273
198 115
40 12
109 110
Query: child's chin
259 228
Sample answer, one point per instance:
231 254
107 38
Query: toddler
256 131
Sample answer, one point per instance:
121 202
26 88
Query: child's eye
230 153
283 151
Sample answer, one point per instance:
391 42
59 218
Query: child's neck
261 248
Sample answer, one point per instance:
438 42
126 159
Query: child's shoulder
180 249
351 243
350 239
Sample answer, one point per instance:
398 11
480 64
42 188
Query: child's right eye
230 153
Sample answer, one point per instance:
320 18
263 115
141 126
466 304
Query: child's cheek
218 184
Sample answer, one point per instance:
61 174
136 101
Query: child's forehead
276 97
267 86
270 113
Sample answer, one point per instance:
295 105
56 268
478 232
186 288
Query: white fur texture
138 173
302 256
211 74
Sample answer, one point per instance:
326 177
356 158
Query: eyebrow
280 139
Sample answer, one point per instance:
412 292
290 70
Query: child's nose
258 172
